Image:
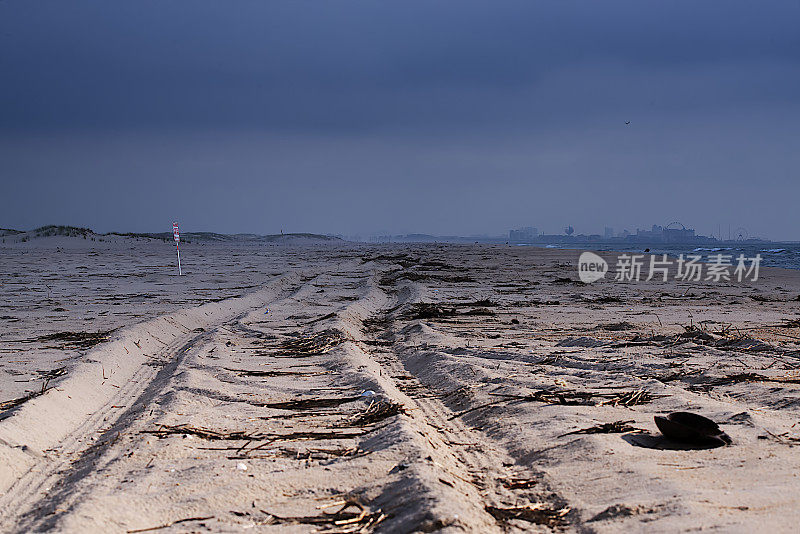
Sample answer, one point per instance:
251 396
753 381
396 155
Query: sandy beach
387 388
399 267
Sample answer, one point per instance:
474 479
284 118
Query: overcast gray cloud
440 117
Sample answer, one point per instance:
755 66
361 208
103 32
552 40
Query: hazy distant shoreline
784 254
22 236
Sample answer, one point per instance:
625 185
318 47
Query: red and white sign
175 233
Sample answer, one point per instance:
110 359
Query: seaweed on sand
630 398
481 303
617 427
538 513
378 411
753 377
518 483
414 276
52 373
479 311
603 299
238 435
171 523
261 372
13 403
309 453
401 259
379 322
565 280
616 327
351 517
312 345
76 340
311 404
424 310
567 397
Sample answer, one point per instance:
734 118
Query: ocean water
782 255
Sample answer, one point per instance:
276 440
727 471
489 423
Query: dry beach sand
392 388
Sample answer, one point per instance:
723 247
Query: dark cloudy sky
446 117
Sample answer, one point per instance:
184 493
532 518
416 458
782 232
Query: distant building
523 235
661 234
672 233
678 235
654 234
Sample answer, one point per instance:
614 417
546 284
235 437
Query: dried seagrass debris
754 377
308 453
425 310
481 303
617 427
204 433
518 483
13 403
393 277
784 437
312 403
76 340
262 372
630 398
167 525
567 397
52 373
616 327
479 311
351 517
620 510
210 434
311 345
377 411
538 513
571 398
403 260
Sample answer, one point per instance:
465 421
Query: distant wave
787 257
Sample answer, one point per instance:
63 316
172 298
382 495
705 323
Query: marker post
177 235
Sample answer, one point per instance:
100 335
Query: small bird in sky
627 122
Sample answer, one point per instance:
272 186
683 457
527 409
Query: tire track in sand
481 476
421 470
34 499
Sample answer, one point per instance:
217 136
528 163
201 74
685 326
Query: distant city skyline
655 230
